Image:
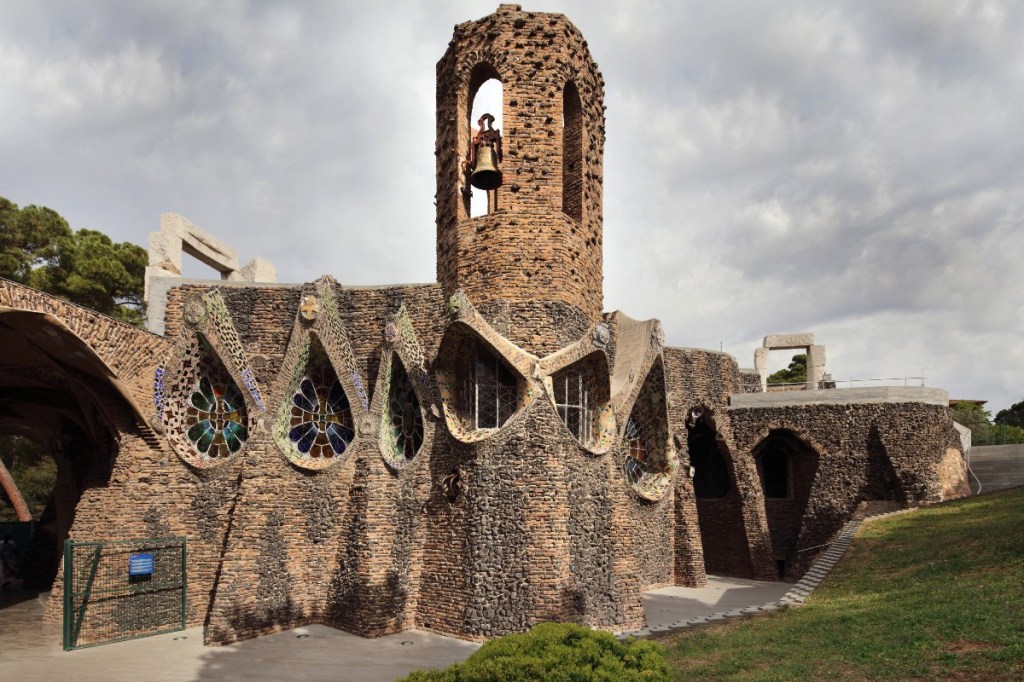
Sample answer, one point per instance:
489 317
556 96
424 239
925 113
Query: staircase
997 467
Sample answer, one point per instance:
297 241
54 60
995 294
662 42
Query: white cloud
852 170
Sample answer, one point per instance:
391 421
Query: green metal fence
123 589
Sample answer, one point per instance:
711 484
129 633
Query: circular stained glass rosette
321 421
216 417
406 420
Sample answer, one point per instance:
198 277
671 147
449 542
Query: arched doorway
786 467
58 394
719 505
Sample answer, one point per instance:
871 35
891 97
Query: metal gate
122 589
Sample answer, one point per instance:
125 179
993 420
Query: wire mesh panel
123 589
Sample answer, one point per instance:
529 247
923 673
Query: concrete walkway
30 650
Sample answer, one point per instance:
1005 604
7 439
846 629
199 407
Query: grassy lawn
934 594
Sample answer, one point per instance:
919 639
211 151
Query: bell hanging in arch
484 156
486 175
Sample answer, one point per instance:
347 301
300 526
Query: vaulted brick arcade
55 391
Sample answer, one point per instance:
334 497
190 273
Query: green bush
556 652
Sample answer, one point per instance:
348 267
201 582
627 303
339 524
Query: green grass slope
937 594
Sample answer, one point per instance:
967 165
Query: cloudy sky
853 169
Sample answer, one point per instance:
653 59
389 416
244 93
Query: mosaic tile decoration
404 383
207 346
220 318
320 394
466 329
159 396
205 415
402 428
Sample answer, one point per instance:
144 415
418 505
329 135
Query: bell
486 175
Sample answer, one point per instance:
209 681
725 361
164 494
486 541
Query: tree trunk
11 488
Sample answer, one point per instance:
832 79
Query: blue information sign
140 564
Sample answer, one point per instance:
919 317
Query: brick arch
56 389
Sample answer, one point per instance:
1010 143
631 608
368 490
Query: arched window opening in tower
405 420
572 152
711 473
489 389
486 98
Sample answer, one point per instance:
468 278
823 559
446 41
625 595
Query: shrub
556 652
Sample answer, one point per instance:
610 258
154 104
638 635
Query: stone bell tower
538 251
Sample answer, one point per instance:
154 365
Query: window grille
636 465
489 391
573 397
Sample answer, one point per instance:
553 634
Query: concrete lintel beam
787 341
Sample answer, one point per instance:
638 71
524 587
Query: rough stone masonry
469 457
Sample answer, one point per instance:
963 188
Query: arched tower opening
572 152
485 96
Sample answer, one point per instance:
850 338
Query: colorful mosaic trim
331 332
405 383
314 425
468 324
204 413
402 429
217 314
316 421
159 395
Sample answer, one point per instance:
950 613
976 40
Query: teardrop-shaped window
581 395
648 457
404 426
205 414
319 423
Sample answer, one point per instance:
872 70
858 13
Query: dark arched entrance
55 391
719 507
786 467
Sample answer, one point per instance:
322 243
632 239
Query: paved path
30 650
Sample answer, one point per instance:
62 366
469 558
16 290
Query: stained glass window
636 465
216 417
321 421
406 420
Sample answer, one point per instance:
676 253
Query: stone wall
864 451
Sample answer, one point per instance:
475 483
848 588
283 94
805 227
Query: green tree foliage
983 431
794 374
32 469
1011 416
39 248
556 652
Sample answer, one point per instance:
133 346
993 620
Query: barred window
489 390
573 397
636 464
